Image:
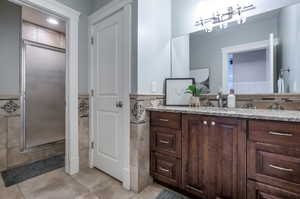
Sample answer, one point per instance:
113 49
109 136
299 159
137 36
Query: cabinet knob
205 122
213 123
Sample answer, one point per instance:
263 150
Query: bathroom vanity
219 153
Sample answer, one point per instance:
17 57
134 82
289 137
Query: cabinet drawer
166 169
274 165
262 191
282 133
168 120
166 141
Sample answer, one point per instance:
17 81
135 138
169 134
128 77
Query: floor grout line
20 190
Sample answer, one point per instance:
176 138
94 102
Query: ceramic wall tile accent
83 106
9 107
138 104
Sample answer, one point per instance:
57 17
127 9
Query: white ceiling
40 18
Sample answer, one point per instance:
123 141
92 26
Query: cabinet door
227 157
195 155
262 191
214 157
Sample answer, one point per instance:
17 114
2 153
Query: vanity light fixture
52 21
222 19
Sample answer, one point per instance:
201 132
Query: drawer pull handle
280 168
205 122
164 142
165 170
164 120
213 123
281 134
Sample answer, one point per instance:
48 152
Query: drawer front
282 133
262 191
168 120
166 169
166 141
275 165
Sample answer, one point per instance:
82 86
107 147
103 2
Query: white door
108 96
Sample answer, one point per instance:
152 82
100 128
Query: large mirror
255 55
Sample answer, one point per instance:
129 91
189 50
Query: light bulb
52 21
224 25
242 19
209 26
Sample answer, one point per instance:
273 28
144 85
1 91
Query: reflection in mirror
260 56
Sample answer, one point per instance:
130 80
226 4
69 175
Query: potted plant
195 92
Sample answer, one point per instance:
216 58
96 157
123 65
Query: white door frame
239 49
126 7
71 17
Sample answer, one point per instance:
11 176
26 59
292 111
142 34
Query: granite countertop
261 114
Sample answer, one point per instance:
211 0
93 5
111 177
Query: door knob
119 104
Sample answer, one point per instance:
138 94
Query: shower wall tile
3 159
16 158
14 132
3 133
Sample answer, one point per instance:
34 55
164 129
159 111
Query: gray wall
289 31
85 7
97 4
10 28
154 49
206 48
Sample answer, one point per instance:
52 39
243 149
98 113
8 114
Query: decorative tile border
138 104
272 101
10 106
84 107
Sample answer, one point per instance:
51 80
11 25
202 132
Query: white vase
195 101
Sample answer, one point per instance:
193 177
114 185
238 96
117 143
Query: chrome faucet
220 99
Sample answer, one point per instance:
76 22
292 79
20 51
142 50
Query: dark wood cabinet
214 162
274 159
262 191
226 158
166 169
195 155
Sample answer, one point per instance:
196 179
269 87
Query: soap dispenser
231 99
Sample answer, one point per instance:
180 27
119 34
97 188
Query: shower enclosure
43 95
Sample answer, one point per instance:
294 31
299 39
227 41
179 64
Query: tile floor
87 184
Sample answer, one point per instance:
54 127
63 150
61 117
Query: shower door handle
119 104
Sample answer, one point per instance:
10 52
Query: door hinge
92 93
92 145
92 40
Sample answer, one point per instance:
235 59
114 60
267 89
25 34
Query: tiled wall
140 140
10 133
272 101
